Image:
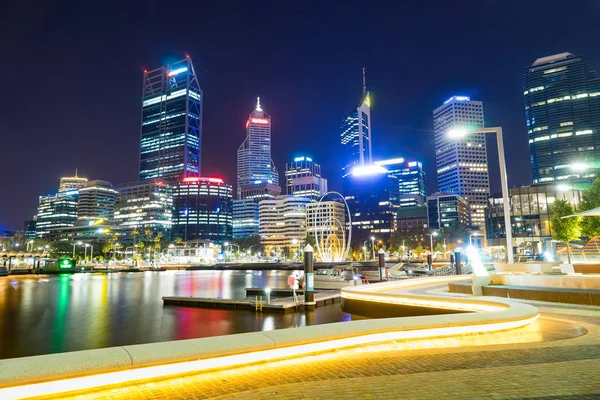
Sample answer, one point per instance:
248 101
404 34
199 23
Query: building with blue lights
369 192
462 163
412 180
303 179
171 133
562 106
202 210
356 135
56 211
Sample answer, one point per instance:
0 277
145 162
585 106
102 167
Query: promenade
557 357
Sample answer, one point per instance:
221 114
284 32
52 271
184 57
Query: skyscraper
562 106
254 164
68 183
257 177
283 223
144 205
462 163
171 132
303 179
356 134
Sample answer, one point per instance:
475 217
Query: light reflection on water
40 315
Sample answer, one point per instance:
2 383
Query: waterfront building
282 223
203 210
356 134
97 201
56 211
369 192
245 218
70 183
412 180
254 164
303 179
530 215
171 132
412 219
446 211
462 163
144 205
562 107
328 218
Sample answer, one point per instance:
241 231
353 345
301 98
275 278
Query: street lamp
431 235
470 238
74 244
373 245
458 133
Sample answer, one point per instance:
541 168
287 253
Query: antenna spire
258 104
364 81
76 170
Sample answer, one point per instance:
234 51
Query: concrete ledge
87 369
551 294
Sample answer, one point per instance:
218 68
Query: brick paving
506 368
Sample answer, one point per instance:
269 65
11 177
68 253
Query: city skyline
102 137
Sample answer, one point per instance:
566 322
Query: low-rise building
282 223
325 220
531 212
446 210
144 205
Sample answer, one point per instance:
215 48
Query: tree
438 248
564 229
590 226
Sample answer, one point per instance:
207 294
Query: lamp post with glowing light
373 245
458 133
431 235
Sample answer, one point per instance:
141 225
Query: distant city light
261 121
368 170
299 159
458 98
177 71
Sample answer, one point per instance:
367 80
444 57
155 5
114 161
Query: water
51 314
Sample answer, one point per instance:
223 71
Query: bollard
430 261
381 255
268 292
309 279
457 266
452 263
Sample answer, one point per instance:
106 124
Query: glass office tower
462 163
171 131
562 106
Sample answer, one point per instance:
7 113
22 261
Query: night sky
72 79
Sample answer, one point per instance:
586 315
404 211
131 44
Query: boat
337 277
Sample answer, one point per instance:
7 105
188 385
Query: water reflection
40 315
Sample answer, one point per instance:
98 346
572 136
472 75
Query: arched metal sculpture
330 247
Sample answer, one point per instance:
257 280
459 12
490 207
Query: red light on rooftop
247 123
215 180
196 179
187 55
191 179
261 121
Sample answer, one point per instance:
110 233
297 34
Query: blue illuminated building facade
412 180
171 133
369 192
562 106
202 210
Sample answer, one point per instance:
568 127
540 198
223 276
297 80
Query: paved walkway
559 358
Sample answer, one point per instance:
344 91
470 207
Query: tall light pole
365 249
461 133
431 235
373 245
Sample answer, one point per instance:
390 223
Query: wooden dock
277 305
